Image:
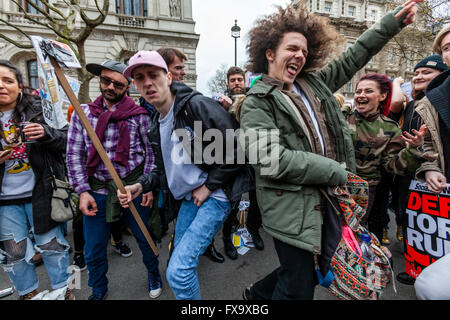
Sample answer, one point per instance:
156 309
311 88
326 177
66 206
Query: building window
30 9
33 80
351 11
373 15
327 7
132 7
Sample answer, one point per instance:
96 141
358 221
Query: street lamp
235 33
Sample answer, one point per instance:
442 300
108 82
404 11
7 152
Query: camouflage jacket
377 142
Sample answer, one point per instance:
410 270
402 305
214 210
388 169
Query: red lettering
419 258
444 206
414 202
429 202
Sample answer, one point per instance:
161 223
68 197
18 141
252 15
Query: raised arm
338 72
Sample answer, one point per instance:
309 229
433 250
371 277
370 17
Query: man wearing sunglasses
121 126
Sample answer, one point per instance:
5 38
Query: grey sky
214 20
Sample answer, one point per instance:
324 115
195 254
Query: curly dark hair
322 37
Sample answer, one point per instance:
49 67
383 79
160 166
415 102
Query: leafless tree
218 83
62 24
414 43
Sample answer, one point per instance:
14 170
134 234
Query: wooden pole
101 151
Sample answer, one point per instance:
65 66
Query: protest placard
48 84
407 89
428 227
250 76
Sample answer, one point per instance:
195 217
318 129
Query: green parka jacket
289 196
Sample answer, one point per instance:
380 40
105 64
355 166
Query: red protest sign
428 227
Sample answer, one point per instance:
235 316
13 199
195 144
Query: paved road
128 279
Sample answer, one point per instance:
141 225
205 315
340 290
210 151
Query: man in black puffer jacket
203 174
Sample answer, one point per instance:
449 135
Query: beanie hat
434 61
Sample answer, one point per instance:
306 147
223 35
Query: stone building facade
351 18
130 25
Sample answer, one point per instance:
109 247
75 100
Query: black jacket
191 106
52 146
438 92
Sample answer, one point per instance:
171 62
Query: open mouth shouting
362 101
293 69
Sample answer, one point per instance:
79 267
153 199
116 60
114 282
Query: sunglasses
107 81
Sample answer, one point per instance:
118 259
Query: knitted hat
434 61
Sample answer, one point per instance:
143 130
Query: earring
20 98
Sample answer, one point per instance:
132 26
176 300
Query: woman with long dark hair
379 143
26 190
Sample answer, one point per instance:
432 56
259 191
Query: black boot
405 278
230 249
257 240
213 254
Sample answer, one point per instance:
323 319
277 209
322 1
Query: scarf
125 108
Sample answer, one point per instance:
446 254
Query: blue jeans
97 233
194 231
15 224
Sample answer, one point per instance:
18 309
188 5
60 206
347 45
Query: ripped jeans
16 245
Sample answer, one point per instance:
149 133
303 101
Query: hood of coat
34 109
183 94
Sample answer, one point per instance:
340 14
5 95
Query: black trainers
78 260
257 240
405 278
123 249
230 249
246 293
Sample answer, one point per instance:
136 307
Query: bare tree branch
94 23
13 26
98 8
54 9
63 26
17 44
35 6
103 12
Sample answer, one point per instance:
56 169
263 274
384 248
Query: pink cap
142 58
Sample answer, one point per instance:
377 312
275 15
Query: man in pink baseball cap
142 58
204 187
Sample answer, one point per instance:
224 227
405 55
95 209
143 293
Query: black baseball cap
96 69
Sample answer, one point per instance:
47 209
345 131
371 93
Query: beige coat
432 145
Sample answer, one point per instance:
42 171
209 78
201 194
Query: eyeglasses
117 85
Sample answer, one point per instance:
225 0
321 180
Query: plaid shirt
78 144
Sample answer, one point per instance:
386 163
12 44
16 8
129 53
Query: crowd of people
154 145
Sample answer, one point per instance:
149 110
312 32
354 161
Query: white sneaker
57 294
155 293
